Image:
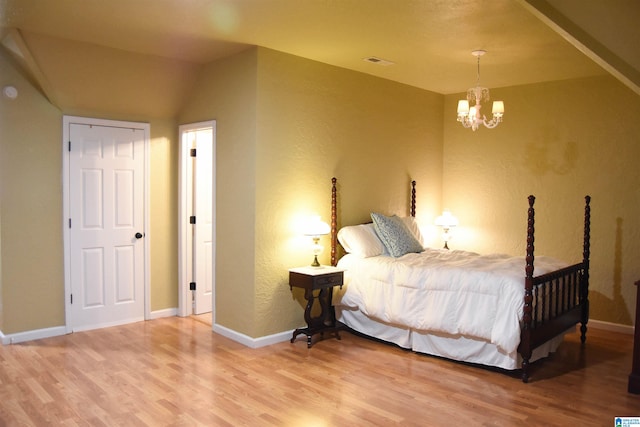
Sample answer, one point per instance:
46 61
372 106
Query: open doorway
196 231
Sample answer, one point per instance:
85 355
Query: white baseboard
153 315
35 334
252 342
608 326
62 330
167 312
108 324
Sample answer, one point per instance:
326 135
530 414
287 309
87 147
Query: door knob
139 235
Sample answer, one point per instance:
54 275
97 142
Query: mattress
454 294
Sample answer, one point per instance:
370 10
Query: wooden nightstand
321 279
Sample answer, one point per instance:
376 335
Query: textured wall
317 121
559 141
163 218
286 125
32 281
226 92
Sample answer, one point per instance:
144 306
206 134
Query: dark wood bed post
525 335
334 222
413 199
584 286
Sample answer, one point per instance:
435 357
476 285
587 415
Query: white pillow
412 225
361 240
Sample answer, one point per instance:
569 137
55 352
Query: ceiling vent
378 61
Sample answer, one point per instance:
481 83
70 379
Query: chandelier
471 117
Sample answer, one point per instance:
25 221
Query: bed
483 309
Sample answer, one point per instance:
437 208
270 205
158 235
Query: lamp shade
463 107
498 107
316 227
446 220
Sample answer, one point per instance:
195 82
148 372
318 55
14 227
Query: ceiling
429 42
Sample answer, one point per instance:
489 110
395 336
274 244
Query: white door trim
145 127
184 297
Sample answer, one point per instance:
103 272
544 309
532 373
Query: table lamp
314 229
446 221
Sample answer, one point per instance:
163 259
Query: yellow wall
226 92
285 126
559 141
163 218
317 121
32 275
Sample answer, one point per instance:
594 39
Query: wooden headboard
334 216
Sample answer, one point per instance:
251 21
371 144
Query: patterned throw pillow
395 235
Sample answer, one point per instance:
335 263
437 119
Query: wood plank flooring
177 372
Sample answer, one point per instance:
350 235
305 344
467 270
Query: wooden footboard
556 301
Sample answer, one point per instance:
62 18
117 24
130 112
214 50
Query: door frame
185 307
145 127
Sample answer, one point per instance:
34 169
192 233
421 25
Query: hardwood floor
176 372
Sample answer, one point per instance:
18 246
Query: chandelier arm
495 121
466 123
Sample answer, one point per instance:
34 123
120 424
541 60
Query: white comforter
455 292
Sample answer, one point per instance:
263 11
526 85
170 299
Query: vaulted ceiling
428 42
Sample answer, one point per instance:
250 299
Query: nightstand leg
308 295
324 322
305 331
328 311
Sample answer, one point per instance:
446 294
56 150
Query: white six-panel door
106 225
